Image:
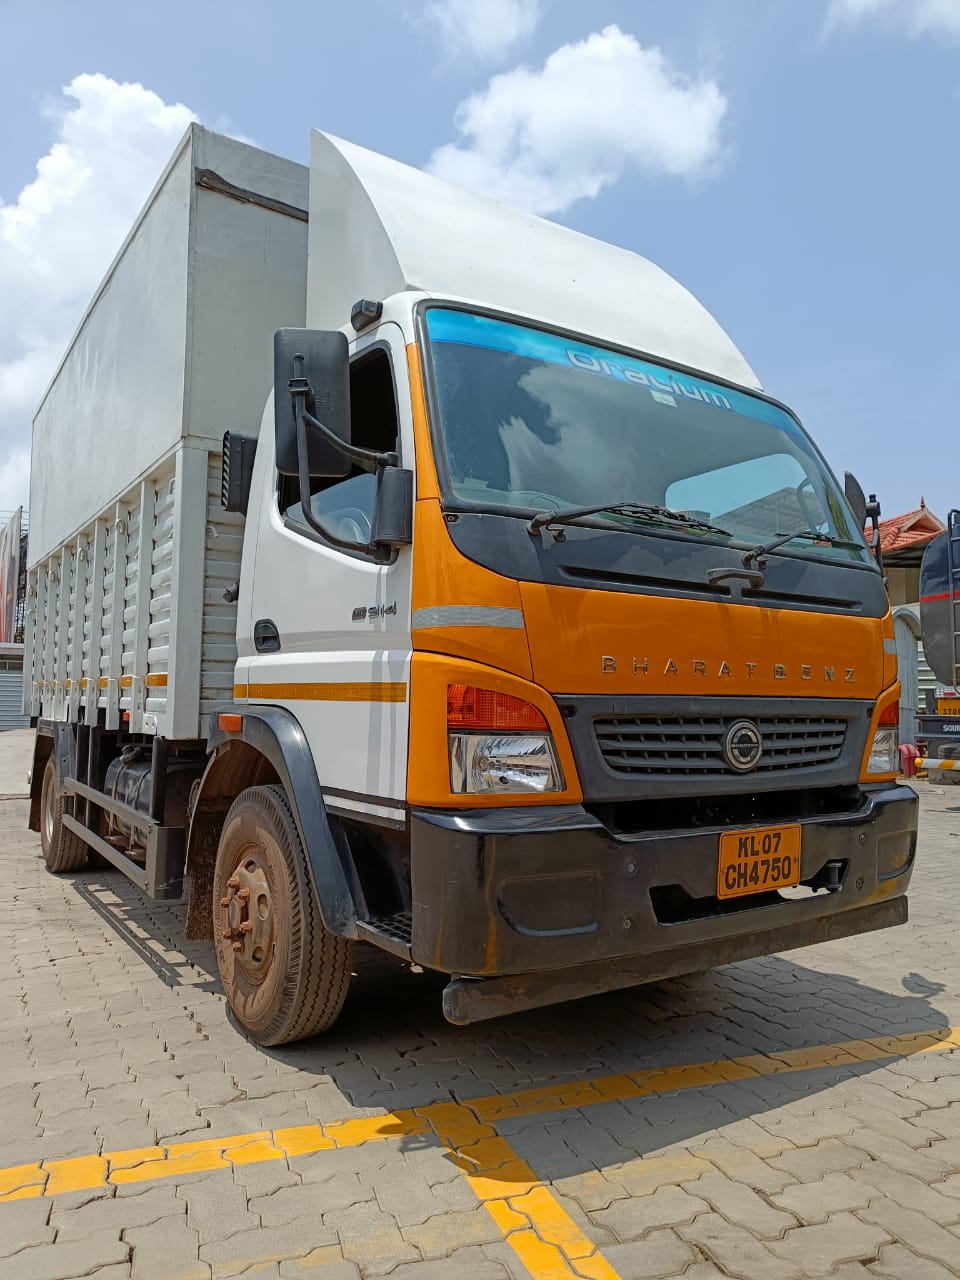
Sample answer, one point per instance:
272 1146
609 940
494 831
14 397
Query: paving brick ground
114 1036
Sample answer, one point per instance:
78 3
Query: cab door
329 630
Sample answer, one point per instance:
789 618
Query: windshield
536 421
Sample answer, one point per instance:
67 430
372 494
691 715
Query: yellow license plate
948 706
758 860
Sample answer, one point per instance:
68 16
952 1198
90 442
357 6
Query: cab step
389 933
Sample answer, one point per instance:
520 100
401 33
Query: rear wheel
62 850
285 976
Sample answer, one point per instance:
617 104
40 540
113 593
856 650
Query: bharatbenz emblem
742 746
641 668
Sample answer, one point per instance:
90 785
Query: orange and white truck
522 635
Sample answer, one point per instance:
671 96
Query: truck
411 571
938 728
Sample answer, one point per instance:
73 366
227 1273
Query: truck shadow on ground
392 1049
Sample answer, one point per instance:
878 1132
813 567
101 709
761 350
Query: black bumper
529 891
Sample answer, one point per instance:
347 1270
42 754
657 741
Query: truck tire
285 976
62 850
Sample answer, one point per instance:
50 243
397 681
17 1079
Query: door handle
266 637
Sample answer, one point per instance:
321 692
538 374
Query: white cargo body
130 550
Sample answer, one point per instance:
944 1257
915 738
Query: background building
13 590
902 541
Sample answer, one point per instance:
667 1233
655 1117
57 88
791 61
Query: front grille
692 745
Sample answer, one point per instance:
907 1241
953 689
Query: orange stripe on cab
338 691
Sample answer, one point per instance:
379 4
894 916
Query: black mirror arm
369 459
873 512
344 544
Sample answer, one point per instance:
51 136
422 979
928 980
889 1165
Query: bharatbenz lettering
521 635
699 667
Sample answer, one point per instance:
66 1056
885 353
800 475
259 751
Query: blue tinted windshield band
466 329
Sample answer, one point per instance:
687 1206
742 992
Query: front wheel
284 974
63 850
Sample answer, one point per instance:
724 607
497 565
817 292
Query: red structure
906 533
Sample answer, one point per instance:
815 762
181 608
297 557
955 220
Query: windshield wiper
646 511
758 554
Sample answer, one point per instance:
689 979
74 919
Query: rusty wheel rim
248 921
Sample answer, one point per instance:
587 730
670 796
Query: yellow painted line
526 1102
335 691
465 1127
75 1175
535 1225
148 1164
157 680
22 1181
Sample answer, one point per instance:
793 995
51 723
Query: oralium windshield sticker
466 329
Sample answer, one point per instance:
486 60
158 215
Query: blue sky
793 162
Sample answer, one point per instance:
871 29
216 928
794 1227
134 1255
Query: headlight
505 762
499 743
884 753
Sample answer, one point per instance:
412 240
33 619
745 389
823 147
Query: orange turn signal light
890 715
484 709
229 722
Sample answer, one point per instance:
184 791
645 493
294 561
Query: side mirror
864 510
316 362
393 514
856 499
940 603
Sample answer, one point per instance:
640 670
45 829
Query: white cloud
60 233
485 29
541 139
916 17
14 479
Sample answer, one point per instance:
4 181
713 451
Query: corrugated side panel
161 573
224 545
74 623
127 636
51 595
61 666
102 671
37 587
36 637
41 648
30 641
88 625
131 582
52 640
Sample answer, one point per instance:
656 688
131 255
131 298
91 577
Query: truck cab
622 705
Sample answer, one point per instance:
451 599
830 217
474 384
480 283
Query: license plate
758 860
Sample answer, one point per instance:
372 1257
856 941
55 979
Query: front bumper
529 891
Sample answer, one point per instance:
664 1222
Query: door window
345 506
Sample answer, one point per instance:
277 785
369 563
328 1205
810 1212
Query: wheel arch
269 747
57 739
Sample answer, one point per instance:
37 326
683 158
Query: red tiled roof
915 529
